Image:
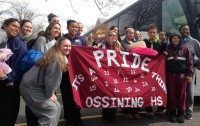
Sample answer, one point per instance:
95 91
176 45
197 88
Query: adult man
194 47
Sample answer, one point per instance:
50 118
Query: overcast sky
86 10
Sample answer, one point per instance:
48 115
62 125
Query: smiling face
185 31
152 34
12 29
112 37
175 40
162 36
80 28
26 29
65 46
73 27
116 29
55 30
137 35
130 34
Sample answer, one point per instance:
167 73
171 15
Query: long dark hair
8 22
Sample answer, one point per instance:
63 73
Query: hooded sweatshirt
179 58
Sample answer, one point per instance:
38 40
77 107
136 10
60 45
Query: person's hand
53 98
10 84
1 78
3 56
2 73
189 78
95 46
165 52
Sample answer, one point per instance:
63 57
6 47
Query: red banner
104 78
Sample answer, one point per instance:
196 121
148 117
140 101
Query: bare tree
5 6
139 16
22 10
104 6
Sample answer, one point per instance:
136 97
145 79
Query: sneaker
127 116
172 116
188 116
180 119
172 119
136 116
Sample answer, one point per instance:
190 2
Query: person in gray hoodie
39 84
194 47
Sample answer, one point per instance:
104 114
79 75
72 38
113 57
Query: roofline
116 15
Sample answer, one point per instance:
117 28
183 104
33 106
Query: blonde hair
54 53
117 44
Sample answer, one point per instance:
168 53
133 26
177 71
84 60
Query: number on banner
125 79
137 89
116 90
93 87
106 72
153 89
144 84
135 81
106 82
129 89
115 81
94 78
132 71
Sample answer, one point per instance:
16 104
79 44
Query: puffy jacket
179 59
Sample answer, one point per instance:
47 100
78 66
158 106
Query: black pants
9 104
31 118
109 113
149 109
130 110
71 111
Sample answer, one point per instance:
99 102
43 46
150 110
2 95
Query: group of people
38 86
179 50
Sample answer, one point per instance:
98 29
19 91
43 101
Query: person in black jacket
179 67
153 43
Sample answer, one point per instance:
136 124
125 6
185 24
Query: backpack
31 43
28 60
